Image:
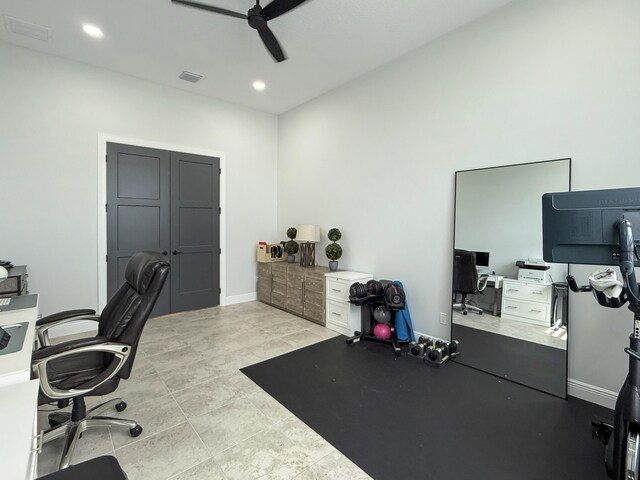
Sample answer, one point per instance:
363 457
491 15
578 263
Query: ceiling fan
258 18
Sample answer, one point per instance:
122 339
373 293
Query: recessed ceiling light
259 85
92 30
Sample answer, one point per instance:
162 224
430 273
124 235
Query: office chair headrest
141 269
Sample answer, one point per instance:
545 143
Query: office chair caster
120 407
135 431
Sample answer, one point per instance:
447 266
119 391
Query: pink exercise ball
382 330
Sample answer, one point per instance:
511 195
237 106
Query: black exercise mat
397 418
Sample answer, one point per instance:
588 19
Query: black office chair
465 279
93 366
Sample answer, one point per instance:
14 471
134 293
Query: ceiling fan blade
211 8
278 7
271 42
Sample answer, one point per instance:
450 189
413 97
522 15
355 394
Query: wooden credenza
293 288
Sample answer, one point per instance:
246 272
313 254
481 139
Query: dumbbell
358 290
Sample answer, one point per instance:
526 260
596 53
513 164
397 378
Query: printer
533 270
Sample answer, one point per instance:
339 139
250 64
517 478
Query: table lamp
308 236
3 274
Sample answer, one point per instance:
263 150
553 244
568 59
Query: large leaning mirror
509 307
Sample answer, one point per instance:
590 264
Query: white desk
19 401
19 441
16 367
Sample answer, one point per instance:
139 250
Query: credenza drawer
536 312
526 291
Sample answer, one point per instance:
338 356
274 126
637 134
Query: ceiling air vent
190 77
26 29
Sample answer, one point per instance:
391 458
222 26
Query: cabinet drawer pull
336 313
513 290
535 311
337 290
536 293
511 306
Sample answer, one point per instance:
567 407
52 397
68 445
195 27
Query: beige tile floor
203 418
513 328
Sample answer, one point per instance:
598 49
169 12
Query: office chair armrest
50 350
43 356
56 317
42 331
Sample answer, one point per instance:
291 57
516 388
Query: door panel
138 211
195 231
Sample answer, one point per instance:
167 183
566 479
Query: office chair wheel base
120 407
135 431
480 312
58 418
464 313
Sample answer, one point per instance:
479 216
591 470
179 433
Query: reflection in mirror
509 309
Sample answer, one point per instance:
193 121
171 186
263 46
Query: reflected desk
491 303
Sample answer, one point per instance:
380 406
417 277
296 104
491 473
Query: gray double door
168 202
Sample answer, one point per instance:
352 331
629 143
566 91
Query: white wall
52 111
535 81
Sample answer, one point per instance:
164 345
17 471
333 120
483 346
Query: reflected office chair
94 366
465 280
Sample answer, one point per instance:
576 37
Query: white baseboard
245 297
420 334
591 393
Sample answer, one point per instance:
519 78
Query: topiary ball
334 235
291 247
292 232
333 251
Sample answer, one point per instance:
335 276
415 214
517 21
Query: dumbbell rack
367 305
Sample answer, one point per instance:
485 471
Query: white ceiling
328 42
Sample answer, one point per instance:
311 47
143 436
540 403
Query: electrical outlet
443 318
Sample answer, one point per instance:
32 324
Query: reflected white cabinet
526 302
342 316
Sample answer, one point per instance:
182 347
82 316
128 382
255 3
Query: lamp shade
3 274
308 233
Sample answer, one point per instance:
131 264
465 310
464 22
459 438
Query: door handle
176 252
165 253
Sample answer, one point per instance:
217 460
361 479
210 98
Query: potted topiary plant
333 250
291 247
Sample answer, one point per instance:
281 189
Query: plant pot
291 259
333 266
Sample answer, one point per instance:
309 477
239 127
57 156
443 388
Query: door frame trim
103 139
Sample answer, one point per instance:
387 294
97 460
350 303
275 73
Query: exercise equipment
375 287
433 351
379 312
597 228
358 290
382 330
382 314
394 296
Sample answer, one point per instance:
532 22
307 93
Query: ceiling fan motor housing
256 20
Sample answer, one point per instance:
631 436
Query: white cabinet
341 316
20 442
526 302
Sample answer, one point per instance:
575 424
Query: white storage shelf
342 316
526 302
